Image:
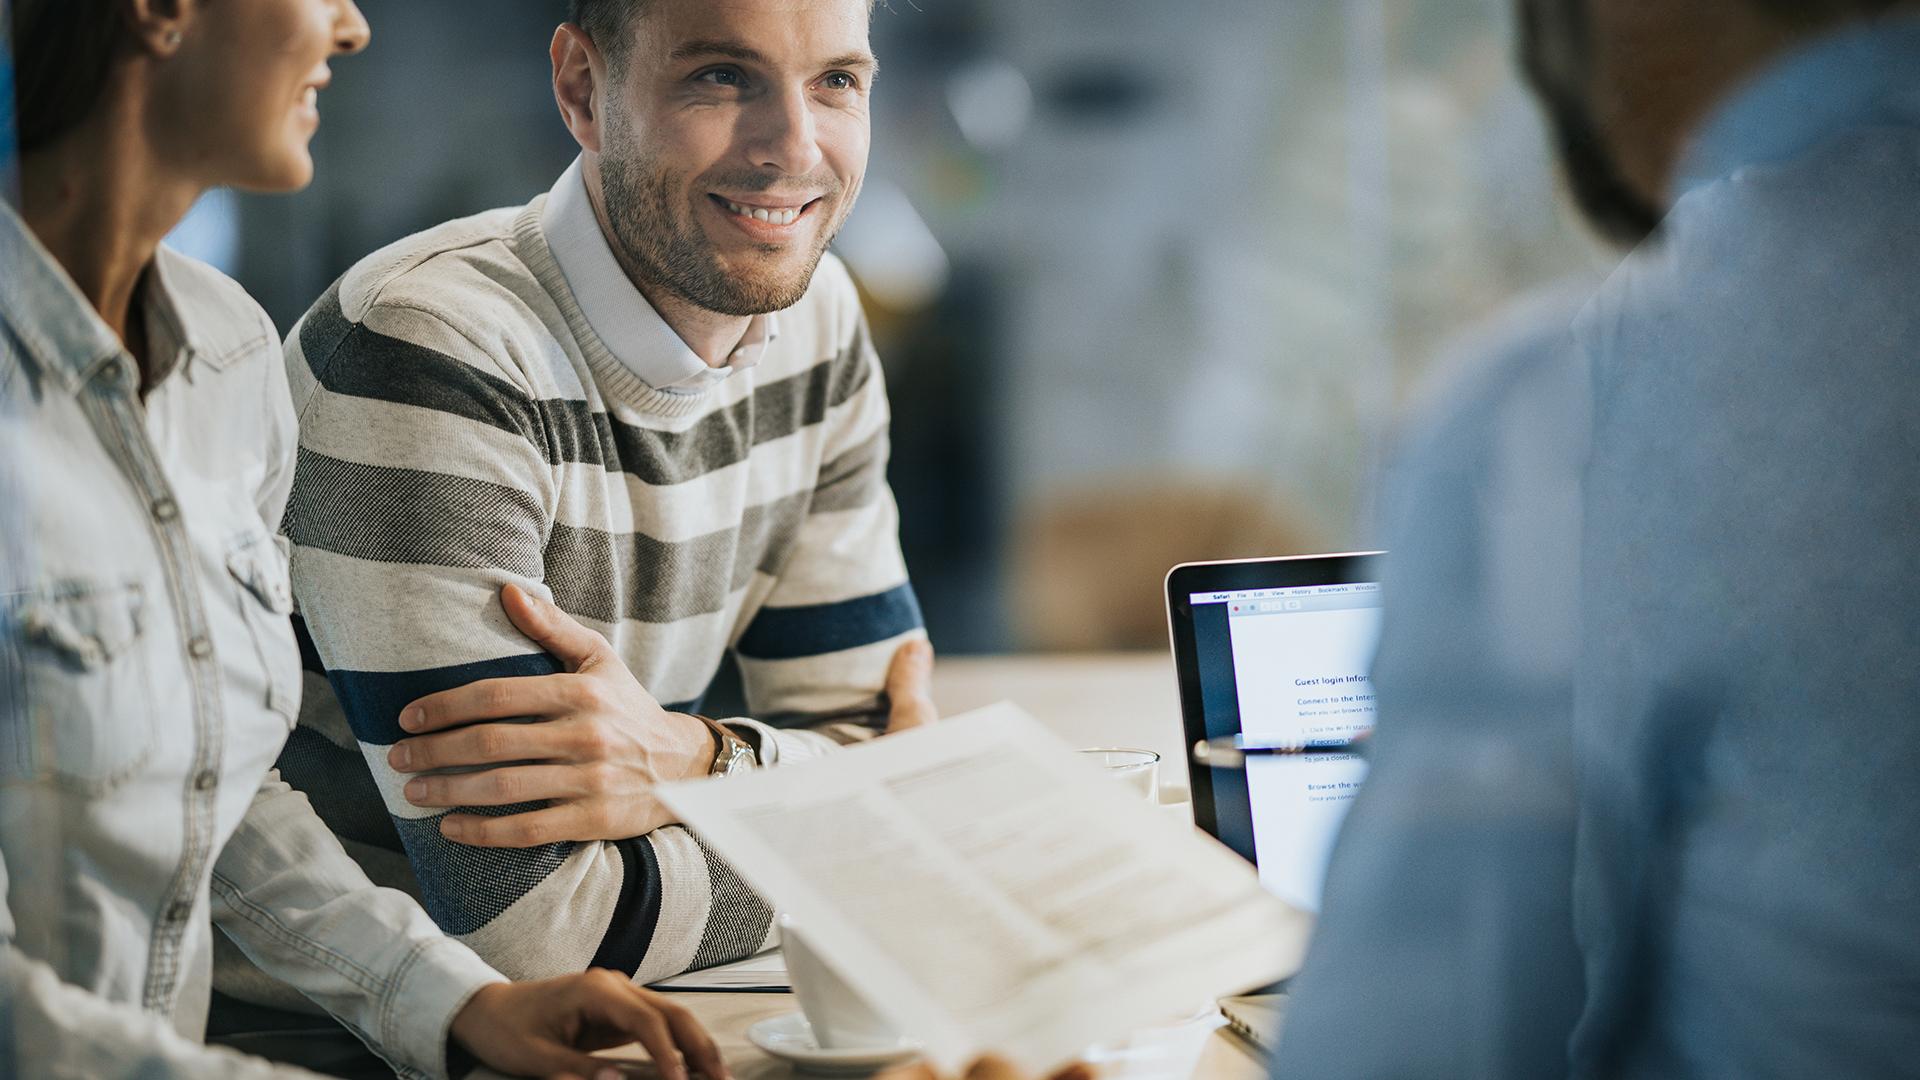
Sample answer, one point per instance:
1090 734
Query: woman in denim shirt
148 675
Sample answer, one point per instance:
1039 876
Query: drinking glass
1138 769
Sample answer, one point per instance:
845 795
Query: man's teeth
772 217
313 97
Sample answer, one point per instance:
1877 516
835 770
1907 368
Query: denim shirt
148 679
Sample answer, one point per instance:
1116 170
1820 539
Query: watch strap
727 746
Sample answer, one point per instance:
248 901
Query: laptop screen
1288 664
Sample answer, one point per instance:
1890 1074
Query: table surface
1198 1048
1090 700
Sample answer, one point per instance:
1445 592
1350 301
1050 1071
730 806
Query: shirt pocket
258 564
88 682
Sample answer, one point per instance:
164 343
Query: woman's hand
550 1026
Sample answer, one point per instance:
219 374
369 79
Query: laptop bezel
1236 575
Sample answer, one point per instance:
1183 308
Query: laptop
1276 650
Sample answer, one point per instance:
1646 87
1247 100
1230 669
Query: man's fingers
911 672
498 787
910 687
495 699
553 824
481 744
552 629
1078 1070
918 1070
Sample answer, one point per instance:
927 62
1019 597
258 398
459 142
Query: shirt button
92 653
205 780
200 648
165 510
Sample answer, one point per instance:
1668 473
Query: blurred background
1153 282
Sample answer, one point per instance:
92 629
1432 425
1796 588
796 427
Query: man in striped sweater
648 399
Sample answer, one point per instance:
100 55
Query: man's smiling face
734 139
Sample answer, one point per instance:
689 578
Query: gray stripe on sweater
411 516
666 582
351 360
474 884
852 480
738 919
415 517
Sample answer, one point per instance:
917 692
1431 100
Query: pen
1232 751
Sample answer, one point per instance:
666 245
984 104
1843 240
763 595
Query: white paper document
765 971
987 890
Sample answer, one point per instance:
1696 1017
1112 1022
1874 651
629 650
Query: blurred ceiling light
991 101
889 247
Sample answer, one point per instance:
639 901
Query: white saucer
790 1038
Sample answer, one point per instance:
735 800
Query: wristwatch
731 754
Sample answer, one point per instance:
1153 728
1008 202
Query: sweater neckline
614 378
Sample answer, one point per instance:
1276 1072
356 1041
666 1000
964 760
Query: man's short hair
607 23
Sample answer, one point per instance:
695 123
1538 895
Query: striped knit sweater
461 426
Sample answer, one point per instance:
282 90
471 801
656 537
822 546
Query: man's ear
579 75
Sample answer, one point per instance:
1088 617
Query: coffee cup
840 1018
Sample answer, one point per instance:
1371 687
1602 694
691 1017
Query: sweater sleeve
842 604
426 480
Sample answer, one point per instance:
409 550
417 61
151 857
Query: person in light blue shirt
1644 799
1747 719
1728 852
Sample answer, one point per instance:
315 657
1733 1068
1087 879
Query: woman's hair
62 50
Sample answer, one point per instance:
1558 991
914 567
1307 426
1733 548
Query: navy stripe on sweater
789 633
372 700
636 913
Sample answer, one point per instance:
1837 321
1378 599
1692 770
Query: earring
172 38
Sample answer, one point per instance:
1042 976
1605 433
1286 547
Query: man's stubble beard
668 251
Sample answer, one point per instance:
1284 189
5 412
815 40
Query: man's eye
840 80
722 77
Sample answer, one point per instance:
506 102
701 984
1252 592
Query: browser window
1289 665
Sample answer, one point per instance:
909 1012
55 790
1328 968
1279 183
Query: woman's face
237 103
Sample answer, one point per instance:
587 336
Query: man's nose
784 136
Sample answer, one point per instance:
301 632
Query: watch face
741 760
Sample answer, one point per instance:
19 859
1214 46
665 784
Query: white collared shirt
632 330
